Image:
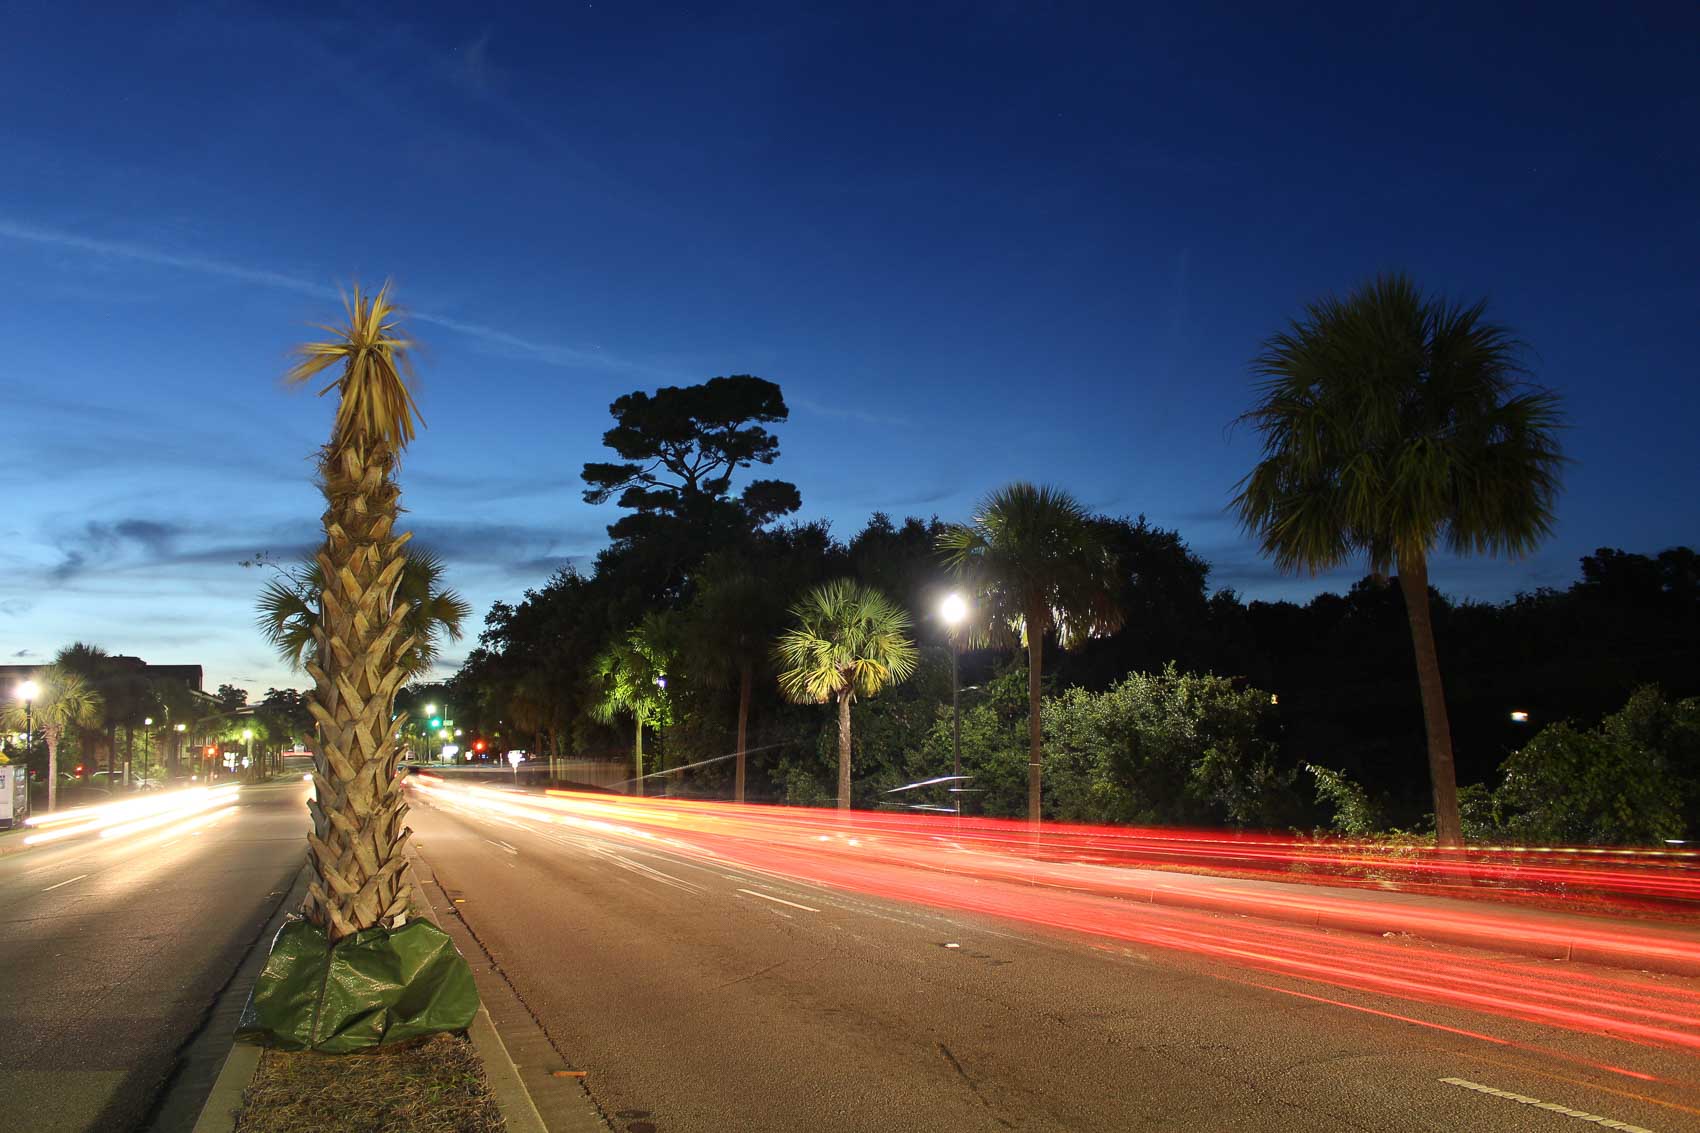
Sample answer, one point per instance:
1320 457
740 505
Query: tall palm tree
850 641
631 676
288 607
63 700
94 665
361 635
729 636
1037 564
1392 424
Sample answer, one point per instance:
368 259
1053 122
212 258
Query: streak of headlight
132 816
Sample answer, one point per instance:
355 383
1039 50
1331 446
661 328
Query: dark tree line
700 575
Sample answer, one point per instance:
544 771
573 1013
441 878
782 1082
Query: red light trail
1088 880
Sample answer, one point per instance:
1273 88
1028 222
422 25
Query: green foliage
1634 780
849 640
1353 813
681 446
1392 422
1166 747
1035 561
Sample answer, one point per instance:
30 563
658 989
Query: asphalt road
112 951
700 995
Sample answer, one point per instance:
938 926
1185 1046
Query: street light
954 611
177 749
248 737
27 692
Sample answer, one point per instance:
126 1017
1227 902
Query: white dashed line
1551 1107
503 846
780 900
68 881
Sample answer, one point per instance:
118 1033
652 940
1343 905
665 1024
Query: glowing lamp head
247 733
1519 717
953 610
431 710
28 690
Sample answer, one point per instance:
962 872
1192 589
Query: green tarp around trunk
375 987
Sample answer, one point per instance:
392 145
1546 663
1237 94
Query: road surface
113 950
702 994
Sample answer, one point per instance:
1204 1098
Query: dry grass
435 1085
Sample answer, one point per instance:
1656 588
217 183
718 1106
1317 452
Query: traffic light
478 745
436 721
212 750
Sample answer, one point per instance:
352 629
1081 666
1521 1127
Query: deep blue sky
972 242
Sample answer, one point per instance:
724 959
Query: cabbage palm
1037 564
1393 424
362 637
288 604
63 700
631 677
850 642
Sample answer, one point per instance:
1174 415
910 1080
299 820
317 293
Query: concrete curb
535 1088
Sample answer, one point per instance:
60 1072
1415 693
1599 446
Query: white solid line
503 846
781 900
1551 1107
51 888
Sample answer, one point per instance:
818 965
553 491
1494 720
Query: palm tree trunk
746 678
111 753
129 751
358 643
637 759
1035 703
1413 581
844 751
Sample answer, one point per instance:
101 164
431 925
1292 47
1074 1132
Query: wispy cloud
550 353
847 413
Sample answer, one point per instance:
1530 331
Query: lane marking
502 846
1551 1107
51 888
780 900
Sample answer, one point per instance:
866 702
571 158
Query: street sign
515 758
450 750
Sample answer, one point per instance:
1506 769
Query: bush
1634 780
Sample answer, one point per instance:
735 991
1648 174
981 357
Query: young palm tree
1393 423
95 666
1037 564
850 641
631 675
288 608
729 636
361 636
63 700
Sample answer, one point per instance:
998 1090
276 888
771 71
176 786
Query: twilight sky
973 242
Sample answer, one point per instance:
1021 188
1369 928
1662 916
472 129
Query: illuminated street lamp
1519 717
954 611
27 692
177 749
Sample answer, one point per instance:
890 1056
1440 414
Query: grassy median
434 1085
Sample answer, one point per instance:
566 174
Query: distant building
189 676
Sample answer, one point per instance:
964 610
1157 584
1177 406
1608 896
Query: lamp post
248 759
147 746
954 610
177 749
27 691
